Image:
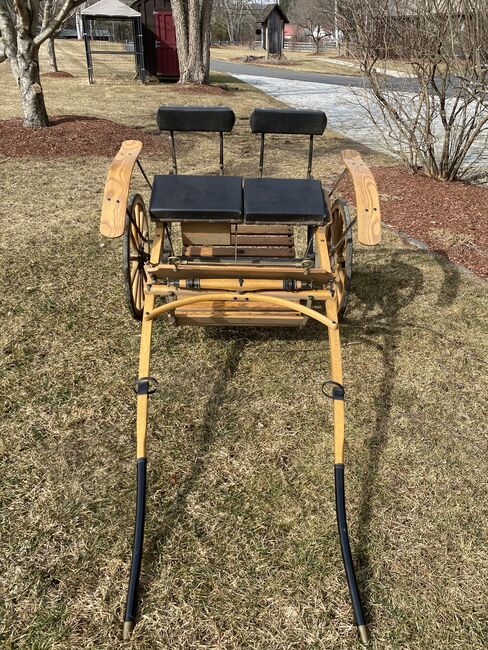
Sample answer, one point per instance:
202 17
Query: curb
423 247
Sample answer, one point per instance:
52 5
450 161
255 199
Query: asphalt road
284 73
292 74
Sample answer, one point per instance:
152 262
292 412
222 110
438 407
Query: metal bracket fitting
337 390
142 386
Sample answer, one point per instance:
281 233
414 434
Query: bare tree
315 17
192 20
237 18
441 111
232 15
255 13
49 8
20 41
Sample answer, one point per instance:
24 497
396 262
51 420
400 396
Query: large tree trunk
192 23
25 68
51 54
23 55
20 42
28 78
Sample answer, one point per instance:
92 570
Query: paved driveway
337 96
339 103
270 72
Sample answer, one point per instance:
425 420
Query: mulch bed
450 217
60 74
204 89
73 135
262 60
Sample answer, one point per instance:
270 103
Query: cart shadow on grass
397 283
399 274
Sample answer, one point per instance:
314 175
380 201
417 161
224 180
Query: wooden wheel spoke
341 257
137 291
136 250
141 293
137 215
339 286
134 241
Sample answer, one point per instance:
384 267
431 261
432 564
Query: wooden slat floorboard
242 251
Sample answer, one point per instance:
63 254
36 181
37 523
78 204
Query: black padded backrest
196 118
288 121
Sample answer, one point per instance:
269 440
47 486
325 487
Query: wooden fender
116 190
367 201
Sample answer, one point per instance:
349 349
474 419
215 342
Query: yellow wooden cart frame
236 270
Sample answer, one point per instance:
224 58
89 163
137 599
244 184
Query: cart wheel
341 255
136 254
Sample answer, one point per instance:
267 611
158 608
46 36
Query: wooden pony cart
238 264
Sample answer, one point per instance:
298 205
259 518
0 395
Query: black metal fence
114 48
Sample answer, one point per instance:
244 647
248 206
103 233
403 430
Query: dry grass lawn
241 548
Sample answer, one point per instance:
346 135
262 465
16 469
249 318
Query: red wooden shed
160 54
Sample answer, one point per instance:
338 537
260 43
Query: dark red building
160 54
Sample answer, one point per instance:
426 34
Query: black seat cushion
194 198
284 200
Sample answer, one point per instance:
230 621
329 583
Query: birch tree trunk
192 24
23 56
20 42
51 55
48 14
26 71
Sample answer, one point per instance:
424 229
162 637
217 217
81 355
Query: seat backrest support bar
209 119
288 121
261 156
221 160
174 167
174 164
310 157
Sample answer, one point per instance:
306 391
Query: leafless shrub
439 116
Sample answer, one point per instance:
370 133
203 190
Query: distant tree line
236 21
